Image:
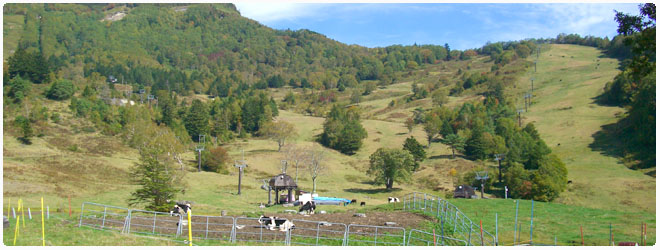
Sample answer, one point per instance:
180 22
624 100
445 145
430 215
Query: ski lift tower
149 98
199 148
498 158
241 165
519 120
482 176
142 91
532 79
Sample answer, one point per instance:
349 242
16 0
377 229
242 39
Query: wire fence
318 233
422 238
453 228
462 226
103 217
366 235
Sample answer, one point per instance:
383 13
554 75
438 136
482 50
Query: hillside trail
564 111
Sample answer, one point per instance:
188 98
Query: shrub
215 160
60 90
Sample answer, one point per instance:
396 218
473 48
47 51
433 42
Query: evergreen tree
158 182
342 130
455 142
416 150
19 88
26 129
197 120
60 90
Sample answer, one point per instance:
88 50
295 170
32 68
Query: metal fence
365 235
462 226
422 238
250 230
154 223
305 232
104 217
318 233
209 227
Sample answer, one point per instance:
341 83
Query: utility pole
498 158
200 148
533 78
535 61
240 165
519 120
528 99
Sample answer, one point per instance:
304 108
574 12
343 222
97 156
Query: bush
19 88
60 90
215 160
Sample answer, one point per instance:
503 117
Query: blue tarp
331 200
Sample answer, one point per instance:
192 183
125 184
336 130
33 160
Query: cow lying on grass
309 207
392 199
273 222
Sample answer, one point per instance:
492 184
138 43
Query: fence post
318 228
496 239
376 237
581 235
531 224
611 243
153 229
515 225
470 236
105 210
442 230
415 200
438 208
206 235
424 202
82 211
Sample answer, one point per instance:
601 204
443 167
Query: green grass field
12 27
565 113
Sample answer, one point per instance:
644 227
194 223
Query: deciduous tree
388 165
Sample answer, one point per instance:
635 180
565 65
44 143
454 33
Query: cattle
392 199
362 204
273 222
569 182
353 201
309 207
181 209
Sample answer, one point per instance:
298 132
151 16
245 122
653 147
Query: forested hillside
204 71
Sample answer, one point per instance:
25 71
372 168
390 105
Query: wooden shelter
282 182
463 191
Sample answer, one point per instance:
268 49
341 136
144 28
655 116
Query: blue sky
463 26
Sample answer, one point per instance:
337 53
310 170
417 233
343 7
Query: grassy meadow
68 162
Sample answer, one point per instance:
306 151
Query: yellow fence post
22 212
189 229
18 220
43 233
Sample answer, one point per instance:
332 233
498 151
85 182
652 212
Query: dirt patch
402 219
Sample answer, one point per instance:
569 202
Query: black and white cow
273 222
392 199
309 207
180 209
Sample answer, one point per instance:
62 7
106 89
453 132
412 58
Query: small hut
282 182
463 191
